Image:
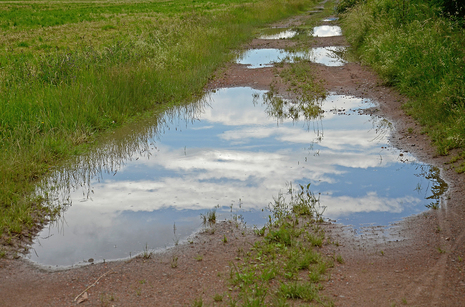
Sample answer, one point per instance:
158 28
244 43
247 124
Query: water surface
257 58
326 31
234 150
281 35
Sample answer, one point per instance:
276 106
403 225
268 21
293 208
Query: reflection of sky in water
331 19
256 58
327 31
234 153
280 35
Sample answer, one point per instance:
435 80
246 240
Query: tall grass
53 104
419 51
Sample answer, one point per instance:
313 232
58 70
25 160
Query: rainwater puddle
281 35
331 19
234 150
326 31
257 58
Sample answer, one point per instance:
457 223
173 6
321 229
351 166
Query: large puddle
257 58
234 150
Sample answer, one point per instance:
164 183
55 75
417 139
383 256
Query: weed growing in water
209 218
433 205
146 254
176 238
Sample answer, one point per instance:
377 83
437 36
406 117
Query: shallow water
331 19
235 150
326 31
281 35
257 58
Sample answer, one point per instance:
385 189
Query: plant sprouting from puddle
294 109
209 218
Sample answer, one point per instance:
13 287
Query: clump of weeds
209 218
285 265
146 254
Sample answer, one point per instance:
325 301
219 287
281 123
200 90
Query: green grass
420 52
284 267
69 72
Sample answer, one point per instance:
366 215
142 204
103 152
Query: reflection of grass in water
285 264
209 218
303 84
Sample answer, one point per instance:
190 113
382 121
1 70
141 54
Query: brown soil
418 262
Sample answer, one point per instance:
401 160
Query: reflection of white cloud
202 128
280 35
251 160
345 205
327 31
333 139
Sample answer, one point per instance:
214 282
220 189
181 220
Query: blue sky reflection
234 153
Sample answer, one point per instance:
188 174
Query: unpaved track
408 269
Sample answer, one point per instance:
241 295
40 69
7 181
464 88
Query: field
72 70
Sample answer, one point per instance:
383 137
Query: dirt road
422 263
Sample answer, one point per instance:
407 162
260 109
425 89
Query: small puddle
331 19
234 150
257 58
281 35
326 31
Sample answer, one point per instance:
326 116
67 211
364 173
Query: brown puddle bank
422 266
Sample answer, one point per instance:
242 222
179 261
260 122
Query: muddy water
234 150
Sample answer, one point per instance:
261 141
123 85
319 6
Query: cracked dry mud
420 265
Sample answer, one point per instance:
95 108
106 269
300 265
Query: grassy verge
285 267
418 48
64 81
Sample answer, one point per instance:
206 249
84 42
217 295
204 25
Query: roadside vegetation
284 267
417 46
71 71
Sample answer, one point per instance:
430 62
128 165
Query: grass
209 218
284 267
390 36
69 75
